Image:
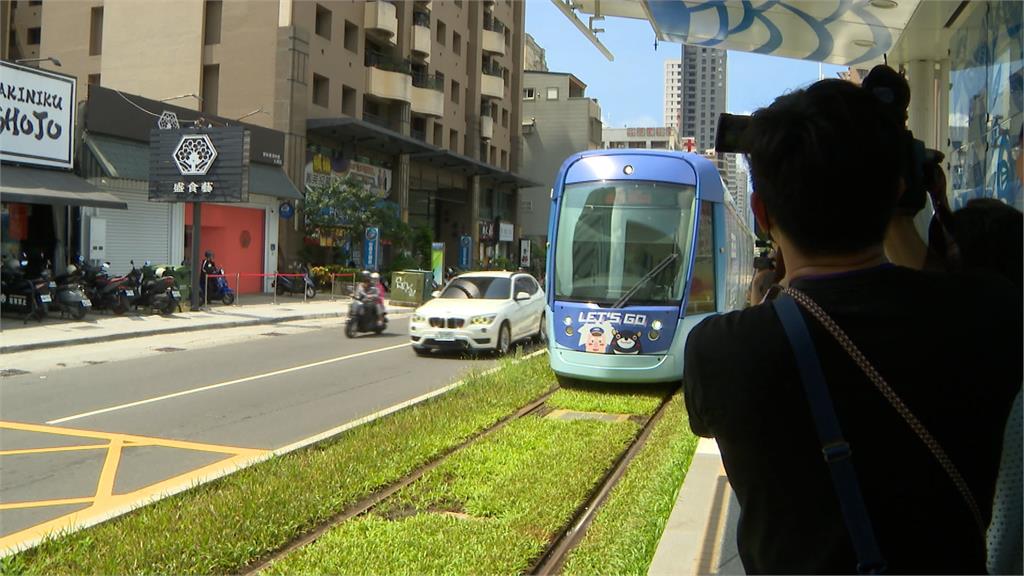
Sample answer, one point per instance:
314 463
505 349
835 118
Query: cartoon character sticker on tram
594 338
626 342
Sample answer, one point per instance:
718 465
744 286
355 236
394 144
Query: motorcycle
219 289
294 285
157 291
69 296
106 292
362 317
23 295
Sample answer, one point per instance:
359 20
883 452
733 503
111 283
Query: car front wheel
504 339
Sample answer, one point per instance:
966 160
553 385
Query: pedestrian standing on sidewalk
827 173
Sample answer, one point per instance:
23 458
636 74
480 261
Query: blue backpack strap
833 446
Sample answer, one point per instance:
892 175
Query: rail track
555 554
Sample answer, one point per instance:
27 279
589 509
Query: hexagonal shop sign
168 121
194 155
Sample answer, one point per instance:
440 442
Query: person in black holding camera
830 165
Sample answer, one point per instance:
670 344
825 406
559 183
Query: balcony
388 78
381 20
421 39
492 85
486 127
427 95
493 40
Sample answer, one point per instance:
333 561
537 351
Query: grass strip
226 524
501 501
625 533
639 399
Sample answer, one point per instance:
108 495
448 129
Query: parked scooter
295 285
219 288
106 292
23 295
69 295
156 290
362 317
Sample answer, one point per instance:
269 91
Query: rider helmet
364 276
71 269
209 254
375 276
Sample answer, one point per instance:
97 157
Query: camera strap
834 447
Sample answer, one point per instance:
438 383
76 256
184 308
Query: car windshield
478 287
613 234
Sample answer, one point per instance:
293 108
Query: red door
235 235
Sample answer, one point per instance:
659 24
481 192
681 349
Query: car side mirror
522 296
435 294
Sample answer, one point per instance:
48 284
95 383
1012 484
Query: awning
37 186
271 181
367 135
120 158
472 166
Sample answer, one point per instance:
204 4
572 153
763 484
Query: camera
764 260
919 164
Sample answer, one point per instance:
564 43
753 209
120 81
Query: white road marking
223 384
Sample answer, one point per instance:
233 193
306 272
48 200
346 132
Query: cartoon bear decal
626 342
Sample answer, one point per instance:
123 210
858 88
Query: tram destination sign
199 165
37 116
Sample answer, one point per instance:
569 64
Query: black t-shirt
950 346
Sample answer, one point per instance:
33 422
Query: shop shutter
142 232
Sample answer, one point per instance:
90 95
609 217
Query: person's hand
766 278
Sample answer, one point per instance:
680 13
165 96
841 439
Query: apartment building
653 137
559 120
702 88
673 90
419 96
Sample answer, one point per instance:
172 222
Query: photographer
828 165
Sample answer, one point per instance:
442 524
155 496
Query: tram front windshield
611 235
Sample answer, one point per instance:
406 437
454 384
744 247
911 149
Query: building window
504 118
212 16
351 37
348 100
529 93
438 135
321 90
453 141
504 160
96 31
94 79
456 43
552 93
323 22
34 35
494 156
456 88
210 88
442 33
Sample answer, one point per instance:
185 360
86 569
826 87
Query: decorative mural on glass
985 111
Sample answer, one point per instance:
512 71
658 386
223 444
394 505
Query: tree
348 203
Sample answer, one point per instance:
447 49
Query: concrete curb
79 340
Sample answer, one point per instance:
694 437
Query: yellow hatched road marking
106 504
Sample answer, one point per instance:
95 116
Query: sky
630 89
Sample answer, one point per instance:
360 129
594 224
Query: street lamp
55 61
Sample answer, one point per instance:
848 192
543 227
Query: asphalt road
89 438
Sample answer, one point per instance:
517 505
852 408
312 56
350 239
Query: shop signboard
465 251
37 116
199 165
506 232
524 253
286 210
437 261
371 248
324 166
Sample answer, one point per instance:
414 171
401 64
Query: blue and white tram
644 244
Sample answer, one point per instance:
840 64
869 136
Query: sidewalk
16 336
700 536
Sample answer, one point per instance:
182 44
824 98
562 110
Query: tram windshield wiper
647 278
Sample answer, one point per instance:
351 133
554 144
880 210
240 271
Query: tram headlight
656 325
653 335
567 321
568 331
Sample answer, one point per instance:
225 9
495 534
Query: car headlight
416 319
483 320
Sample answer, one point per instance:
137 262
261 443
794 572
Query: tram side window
702 288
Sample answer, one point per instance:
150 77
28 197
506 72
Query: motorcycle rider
208 267
369 295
